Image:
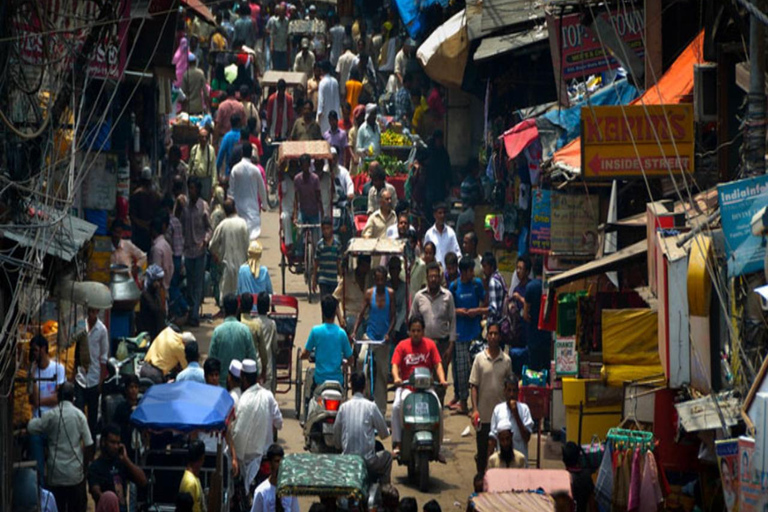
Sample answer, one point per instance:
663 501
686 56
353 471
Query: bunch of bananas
390 138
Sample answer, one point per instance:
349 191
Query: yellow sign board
631 140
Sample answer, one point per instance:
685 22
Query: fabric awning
605 264
673 87
493 46
200 9
519 136
443 55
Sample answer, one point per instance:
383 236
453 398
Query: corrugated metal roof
497 45
498 14
62 239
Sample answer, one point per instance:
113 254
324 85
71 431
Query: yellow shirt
167 351
191 484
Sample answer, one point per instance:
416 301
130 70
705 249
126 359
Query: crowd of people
201 214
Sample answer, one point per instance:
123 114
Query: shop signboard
629 141
580 49
540 221
566 356
574 219
727 451
100 186
753 484
739 201
73 20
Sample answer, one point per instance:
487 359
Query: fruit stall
395 153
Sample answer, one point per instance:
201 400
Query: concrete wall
463 126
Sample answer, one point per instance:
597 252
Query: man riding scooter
410 354
331 347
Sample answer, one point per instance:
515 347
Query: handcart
328 477
175 412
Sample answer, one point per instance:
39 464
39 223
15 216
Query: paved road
451 483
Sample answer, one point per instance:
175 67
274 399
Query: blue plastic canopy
410 12
570 119
184 407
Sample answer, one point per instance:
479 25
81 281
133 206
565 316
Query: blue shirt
468 295
228 142
330 343
192 372
248 283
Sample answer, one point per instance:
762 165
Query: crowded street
383 256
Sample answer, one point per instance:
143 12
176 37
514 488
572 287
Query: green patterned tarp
309 474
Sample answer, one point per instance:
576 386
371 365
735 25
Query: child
451 269
327 260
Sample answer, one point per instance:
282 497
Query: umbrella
443 55
184 407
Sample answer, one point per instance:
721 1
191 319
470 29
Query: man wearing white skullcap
507 456
369 134
257 415
233 380
513 416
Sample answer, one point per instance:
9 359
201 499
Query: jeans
195 280
177 302
37 452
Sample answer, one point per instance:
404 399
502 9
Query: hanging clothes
604 485
620 497
650 489
634 482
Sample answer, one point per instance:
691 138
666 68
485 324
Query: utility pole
755 137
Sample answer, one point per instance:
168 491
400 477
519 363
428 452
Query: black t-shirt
122 417
109 475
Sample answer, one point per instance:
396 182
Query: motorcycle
112 388
321 417
421 428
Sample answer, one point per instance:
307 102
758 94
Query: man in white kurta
229 244
257 414
327 97
247 188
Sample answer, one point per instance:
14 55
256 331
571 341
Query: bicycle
309 254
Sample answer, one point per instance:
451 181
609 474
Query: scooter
421 428
112 388
321 417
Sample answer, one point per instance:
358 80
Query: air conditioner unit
705 92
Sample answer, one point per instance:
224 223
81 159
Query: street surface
451 483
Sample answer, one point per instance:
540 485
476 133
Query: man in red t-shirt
414 352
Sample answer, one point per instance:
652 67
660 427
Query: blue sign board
739 201
541 221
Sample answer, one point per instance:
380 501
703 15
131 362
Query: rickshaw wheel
282 269
299 383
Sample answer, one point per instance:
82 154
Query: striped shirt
328 262
357 423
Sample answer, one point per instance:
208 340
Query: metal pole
755 155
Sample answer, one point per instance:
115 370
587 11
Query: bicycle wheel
271 170
308 264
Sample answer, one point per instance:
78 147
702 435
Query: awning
497 45
411 13
604 264
519 136
673 87
61 239
199 8
443 55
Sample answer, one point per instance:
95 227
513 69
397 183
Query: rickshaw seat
285 301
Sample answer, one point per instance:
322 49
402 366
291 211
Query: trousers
195 279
